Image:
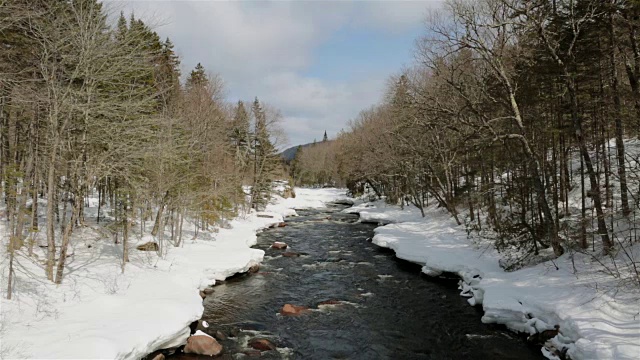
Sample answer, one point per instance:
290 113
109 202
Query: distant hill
290 153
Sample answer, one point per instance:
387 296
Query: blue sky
319 62
351 52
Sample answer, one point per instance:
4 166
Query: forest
92 106
504 158
519 118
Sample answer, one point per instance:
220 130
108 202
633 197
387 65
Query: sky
319 62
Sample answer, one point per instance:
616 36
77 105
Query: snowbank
597 320
307 199
98 312
378 212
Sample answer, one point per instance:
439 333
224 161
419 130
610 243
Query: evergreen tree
197 77
265 158
121 27
240 134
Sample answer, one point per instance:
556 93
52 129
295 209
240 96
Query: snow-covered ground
100 313
599 318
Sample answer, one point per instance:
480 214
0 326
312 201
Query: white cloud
393 15
262 48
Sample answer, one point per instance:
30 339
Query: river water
387 310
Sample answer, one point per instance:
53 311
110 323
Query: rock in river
202 345
294 310
262 344
279 245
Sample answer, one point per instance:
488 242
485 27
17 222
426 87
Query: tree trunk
158 221
584 152
125 232
51 189
66 237
620 153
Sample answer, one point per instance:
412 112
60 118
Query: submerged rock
262 344
202 345
208 291
330 302
544 336
158 357
252 353
254 269
220 336
282 224
290 254
293 310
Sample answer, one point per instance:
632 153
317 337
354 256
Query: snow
307 199
378 212
99 312
598 318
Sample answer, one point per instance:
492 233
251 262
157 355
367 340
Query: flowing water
387 310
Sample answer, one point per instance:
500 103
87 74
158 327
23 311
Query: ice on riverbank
598 319
98 312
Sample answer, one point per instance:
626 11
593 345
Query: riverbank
99 312
598 318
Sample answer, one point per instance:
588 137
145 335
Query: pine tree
240 134
324 138
121 27
197 77
265 159
295 169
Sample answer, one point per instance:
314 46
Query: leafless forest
517 117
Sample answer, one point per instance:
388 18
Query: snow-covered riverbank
598 318
97 312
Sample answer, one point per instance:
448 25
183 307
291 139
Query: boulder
203 295
254 269
279 245
202 345
150 246
282 224
262 344
158 357
290 254
293 310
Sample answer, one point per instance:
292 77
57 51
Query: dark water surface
390 311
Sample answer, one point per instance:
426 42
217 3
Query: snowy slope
100 313
598 319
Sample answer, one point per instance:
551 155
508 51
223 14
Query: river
386 309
